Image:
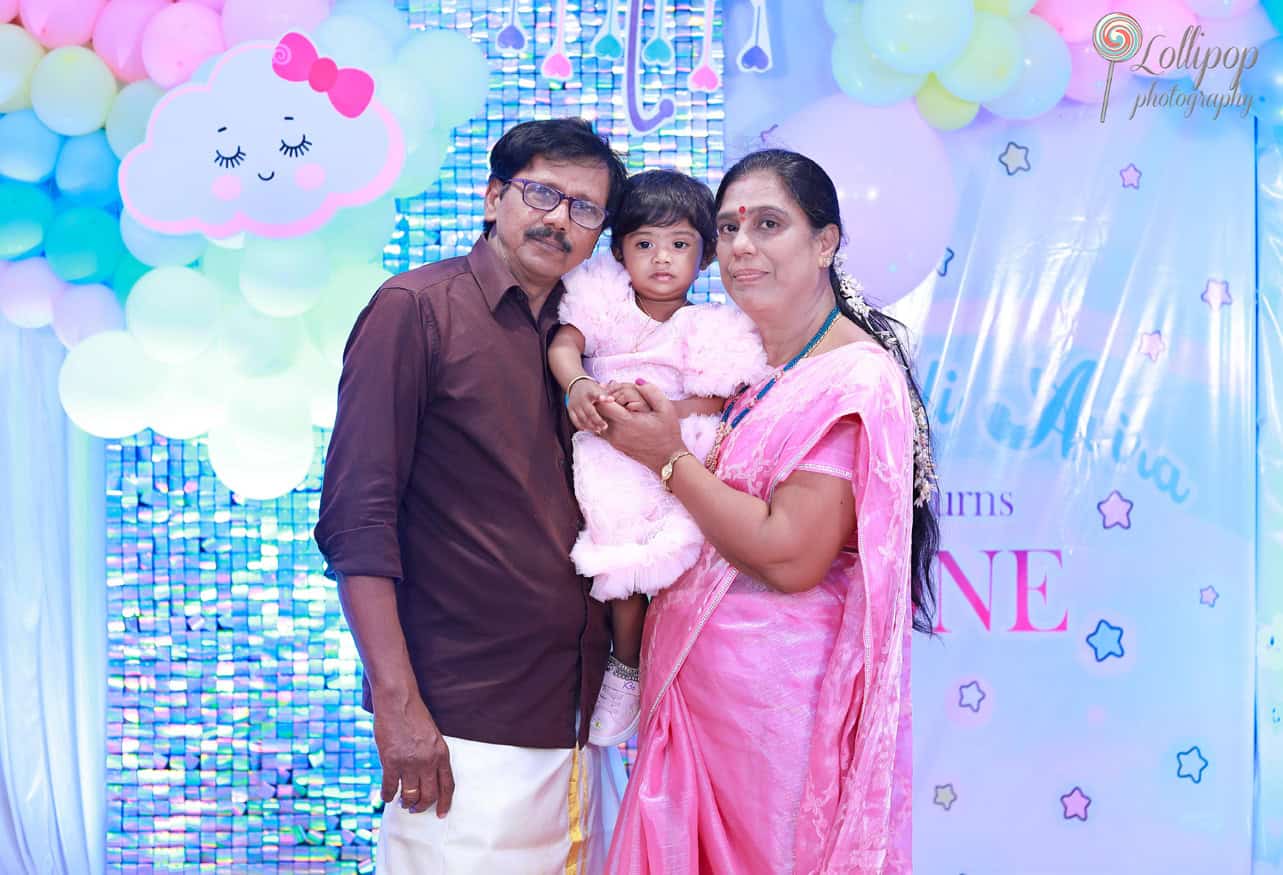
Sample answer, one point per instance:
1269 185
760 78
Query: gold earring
826 263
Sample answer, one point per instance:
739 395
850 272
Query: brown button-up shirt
449 471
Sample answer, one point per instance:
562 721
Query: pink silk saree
776 728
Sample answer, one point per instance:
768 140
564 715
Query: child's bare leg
626 616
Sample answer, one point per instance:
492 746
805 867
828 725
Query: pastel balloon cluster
238 339
1016 58
951 56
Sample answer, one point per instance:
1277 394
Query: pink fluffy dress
637 538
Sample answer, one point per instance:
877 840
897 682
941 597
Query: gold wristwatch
666 472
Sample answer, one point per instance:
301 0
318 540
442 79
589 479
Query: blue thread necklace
727 424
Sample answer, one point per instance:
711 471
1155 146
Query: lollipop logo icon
1117 38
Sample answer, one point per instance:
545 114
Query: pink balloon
1220 8
895 187
178 40
256 19
8 10
1087 74
85 310
28 291
1163 23
1074 20
57 23
118 35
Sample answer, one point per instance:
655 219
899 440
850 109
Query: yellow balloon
72 90
19 55
942 109
1005 7
990 64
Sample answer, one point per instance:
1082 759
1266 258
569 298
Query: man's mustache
543 232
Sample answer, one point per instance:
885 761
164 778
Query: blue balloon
86 170
1264 81
25 213
1274 9
28 150
83 245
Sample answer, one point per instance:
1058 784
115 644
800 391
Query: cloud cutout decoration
273 143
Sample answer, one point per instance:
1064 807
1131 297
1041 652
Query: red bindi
743 210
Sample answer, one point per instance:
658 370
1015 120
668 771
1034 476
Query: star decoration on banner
1208 596
1131 176
945 796
1075 803
1152 345
970 696
1106 641
1015 158
1216 294
943 269
1115 510
1190 764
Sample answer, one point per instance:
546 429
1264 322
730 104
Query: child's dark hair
665 197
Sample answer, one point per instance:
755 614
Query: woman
775 694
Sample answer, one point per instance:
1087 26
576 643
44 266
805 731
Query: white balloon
265 447
106 384
174 312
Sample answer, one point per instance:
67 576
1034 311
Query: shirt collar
494 277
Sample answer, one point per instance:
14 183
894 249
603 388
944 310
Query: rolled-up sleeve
383 392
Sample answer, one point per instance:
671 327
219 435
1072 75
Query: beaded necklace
727 425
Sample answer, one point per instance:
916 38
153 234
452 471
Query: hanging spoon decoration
512 38
659 51
755 57
608 46
557 64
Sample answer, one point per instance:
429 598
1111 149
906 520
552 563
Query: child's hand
582 406
627 396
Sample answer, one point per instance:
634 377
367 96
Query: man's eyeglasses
584 213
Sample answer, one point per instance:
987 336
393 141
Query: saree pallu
776 727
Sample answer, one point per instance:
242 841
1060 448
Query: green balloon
25 213
83 245
452 68
128 271
990 64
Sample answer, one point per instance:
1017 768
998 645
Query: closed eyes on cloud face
228 161
283 159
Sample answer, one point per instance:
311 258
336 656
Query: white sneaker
618 710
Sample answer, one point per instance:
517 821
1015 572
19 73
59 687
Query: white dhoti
516 811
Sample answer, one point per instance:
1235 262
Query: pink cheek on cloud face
226 187
309 176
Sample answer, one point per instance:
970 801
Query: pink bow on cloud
349 89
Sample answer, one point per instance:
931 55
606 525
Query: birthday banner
1085 345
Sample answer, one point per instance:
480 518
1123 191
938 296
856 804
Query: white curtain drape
53 626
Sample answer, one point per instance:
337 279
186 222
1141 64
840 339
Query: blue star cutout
943 269
1106 641
1190 764
970 696
1015 158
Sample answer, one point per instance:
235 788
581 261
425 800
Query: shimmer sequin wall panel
236 742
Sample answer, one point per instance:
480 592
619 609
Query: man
447 517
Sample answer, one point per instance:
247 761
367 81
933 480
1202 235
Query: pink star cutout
1152 345
1208 596
1216 294
1115 510
1075 803
1131 176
